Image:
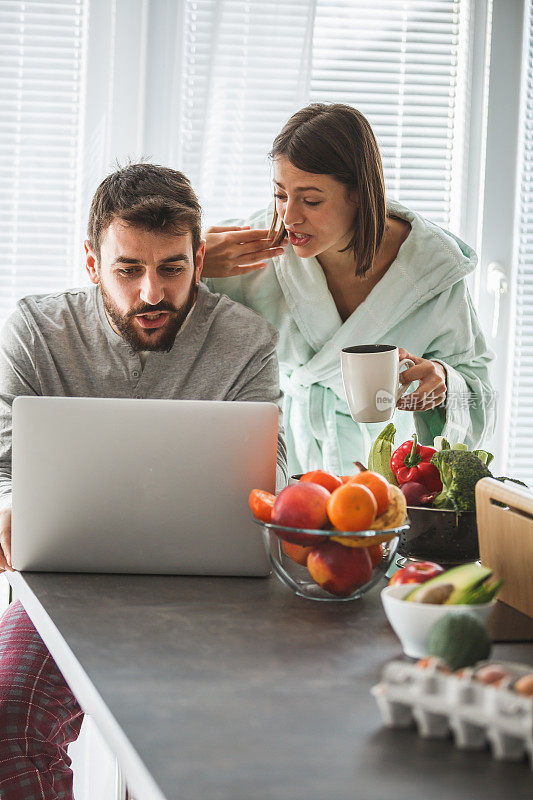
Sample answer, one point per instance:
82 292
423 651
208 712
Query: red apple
418 572
301 505
338 569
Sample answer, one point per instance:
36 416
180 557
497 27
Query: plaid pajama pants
39 715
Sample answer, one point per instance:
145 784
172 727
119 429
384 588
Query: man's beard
163 337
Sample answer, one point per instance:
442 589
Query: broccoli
484 456
513 480
459 472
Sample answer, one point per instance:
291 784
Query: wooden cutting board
506 624
506 539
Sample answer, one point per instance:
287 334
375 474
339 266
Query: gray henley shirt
63 345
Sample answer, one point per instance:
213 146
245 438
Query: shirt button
135 373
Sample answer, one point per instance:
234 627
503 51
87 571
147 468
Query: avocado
460 639
462 578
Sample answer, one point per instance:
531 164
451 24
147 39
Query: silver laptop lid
140 486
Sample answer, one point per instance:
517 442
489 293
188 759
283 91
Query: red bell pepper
411 462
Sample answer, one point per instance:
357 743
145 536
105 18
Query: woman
332 264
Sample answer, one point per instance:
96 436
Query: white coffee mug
371 378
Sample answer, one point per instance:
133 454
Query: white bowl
411 622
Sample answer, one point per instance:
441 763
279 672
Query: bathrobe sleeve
469 412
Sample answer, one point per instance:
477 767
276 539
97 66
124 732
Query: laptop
140 486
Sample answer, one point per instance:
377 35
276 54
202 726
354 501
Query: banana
395 514
368 541
381 453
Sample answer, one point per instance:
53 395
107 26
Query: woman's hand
5 540
432 389
236 251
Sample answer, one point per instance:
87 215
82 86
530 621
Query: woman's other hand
236 251
431 391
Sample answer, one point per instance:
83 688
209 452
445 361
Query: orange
296 552
378 485
261 504
325 479
352 507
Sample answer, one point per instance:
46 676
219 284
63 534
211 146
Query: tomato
261 504
325 479
418 572
345 478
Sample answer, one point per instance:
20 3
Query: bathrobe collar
429 261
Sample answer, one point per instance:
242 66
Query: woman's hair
337 140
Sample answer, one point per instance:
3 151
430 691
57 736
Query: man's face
148 282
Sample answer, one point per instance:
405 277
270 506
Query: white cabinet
95 767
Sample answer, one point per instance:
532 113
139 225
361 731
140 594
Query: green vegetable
484 456
441 443
459 473
513 480
381 454
462 578
460 639
474 595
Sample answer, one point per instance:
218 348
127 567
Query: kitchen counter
236 689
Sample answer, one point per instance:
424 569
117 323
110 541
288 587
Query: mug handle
402 388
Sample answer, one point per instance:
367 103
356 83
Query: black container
440 535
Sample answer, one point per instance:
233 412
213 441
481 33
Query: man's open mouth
154 319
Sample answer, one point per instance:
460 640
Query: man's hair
337 140
145 196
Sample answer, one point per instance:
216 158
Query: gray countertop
236 689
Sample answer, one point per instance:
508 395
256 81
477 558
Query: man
146 328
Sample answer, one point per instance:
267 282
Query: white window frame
497 186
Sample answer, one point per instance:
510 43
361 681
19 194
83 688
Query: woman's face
316 209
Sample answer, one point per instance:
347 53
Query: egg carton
441 703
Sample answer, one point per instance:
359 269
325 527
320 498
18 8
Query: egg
524 685
491 674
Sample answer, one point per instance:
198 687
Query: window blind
246 66
403 65
520 441
243 73
40 84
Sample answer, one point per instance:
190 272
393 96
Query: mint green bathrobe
422 304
